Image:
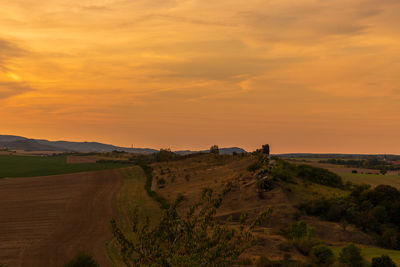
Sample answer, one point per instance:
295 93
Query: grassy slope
372 179
130 196
391 178
371 252
207 170
30 166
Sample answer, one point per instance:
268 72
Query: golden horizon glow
304 76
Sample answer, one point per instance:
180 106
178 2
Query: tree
383 261
350 256
322 255
193 239
265 149
214 149
82 260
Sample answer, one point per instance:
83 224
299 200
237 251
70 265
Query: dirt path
45 221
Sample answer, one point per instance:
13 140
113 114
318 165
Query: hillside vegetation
259 183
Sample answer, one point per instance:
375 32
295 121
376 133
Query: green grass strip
149 181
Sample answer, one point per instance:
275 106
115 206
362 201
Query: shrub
383 261
285 246
214 149
244 261
390 238
255 166
350 256
298 230
322 256
265 262
82 260
305 245
191 239
319 175
265 184
149 181
161 183
303 236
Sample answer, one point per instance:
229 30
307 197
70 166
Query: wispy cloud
171 64
9 89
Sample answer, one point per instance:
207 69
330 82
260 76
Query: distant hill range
337 155
12 142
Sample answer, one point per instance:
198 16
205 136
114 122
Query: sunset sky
302 75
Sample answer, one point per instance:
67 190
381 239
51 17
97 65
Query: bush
374 210
195 238
255 166
350 256
299 230
266 184
161 183
265 262
82 260
305 245
244 261
149 181
214 149
322 256
383 261
319 176
285 246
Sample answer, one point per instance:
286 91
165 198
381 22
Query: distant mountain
21 143
13 142
10 138
93 147
27 145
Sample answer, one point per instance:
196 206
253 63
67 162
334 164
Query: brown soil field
81 159
45 221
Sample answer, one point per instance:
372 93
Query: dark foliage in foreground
82 260
194 239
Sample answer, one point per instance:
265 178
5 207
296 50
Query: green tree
193 239
322 255
82 260
383 261
350 256
214 149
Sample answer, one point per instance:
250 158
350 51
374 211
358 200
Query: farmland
363 175
372 179
45 221
31 166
